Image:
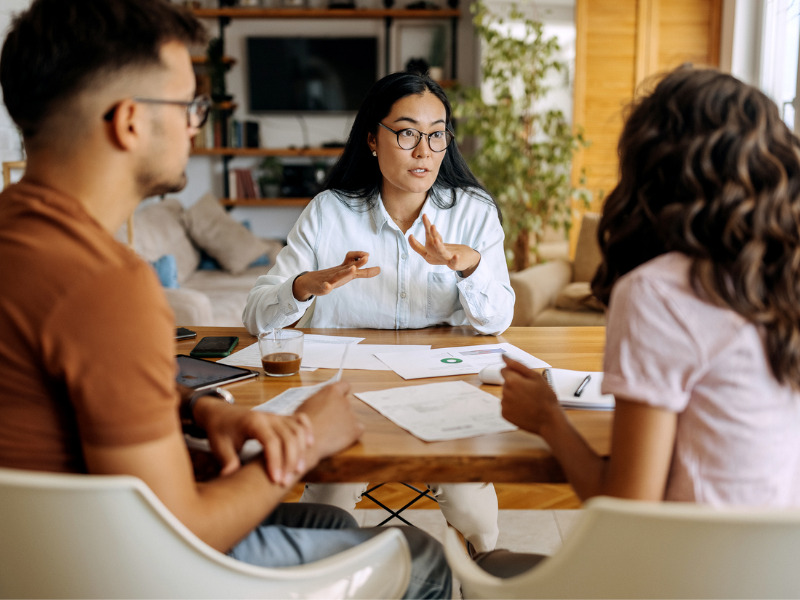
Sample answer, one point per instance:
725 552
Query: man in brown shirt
103 92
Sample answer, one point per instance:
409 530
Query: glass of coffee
281 351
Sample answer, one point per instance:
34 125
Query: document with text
461 360
440 411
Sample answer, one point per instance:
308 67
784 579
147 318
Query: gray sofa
212 263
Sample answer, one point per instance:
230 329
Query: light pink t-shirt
738 435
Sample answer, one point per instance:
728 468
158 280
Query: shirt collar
380 216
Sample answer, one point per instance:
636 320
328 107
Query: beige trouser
469 507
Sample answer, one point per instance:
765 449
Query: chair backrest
629 549
88 536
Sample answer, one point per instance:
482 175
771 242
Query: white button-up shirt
408 293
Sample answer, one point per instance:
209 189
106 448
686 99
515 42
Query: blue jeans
300 533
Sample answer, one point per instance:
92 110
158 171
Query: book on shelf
242 185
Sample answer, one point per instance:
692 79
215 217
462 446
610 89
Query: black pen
583 385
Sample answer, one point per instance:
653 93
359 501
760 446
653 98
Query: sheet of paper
284 403
250 356
287 402
359 356
440 411
461 360
565 383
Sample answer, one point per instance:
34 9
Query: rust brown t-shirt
86 336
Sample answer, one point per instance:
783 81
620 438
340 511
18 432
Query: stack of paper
579 389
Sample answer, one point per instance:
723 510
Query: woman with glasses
402 200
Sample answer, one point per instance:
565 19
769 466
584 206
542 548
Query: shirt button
402 294
404 256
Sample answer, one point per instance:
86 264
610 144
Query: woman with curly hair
701 275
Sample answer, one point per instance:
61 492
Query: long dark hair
708 169
356 177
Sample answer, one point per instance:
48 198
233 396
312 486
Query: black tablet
200 374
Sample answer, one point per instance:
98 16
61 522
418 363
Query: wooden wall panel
605 75
619 44
688 32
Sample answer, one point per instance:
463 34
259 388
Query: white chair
629 549
88 536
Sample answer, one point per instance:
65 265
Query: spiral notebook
579 389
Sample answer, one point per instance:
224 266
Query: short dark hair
356 176
57 47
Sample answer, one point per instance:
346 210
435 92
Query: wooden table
388 453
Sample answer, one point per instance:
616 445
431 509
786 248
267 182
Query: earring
374 153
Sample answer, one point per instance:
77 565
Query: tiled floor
537 531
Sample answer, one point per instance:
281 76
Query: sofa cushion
166 268
578 296
587 250
158 230
230 243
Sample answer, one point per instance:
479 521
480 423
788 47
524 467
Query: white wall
10 142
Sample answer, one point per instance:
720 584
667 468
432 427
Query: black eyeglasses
196 110
409 138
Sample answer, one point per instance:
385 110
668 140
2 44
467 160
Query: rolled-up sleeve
271 303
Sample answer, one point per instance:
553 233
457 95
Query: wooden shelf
202 60
289 202
312 152
325 13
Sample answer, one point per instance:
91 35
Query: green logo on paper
451 361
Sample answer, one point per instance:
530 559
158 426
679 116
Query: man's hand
286 439
335 425
319 283
528 401
458 257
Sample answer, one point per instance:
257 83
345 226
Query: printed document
326 352
440 411
461 360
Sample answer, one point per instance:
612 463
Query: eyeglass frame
421 135
191 106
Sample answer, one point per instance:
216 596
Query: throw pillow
158 230
167 270
224 239
208 263
578 296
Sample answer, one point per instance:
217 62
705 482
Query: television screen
318 74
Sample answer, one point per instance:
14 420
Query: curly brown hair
708 169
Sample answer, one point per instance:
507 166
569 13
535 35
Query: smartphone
214 346
181 333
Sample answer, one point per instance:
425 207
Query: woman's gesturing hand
319 283
435 251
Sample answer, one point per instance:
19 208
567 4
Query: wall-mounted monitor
310 74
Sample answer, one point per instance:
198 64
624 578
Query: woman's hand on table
435 251
319 283
528 401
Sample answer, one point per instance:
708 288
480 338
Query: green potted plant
523 153
270 176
